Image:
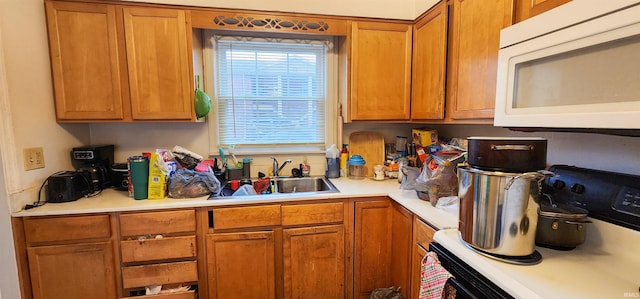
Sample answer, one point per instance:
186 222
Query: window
271 93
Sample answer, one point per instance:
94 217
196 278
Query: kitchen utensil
222 157
509 154
368 145
498 210
202 101
561 226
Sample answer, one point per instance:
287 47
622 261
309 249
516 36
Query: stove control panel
628 201
608 196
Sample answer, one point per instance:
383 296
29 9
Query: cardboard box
424 136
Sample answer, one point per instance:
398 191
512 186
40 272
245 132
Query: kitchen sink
317 184
290 185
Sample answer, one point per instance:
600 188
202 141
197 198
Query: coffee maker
94 162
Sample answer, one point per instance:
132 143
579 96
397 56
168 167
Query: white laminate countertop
607 265
118 201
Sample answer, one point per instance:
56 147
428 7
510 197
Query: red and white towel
432 277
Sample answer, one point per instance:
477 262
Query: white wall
30 101
9 272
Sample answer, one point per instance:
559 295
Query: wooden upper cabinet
429 64
85 60
529 8
380 71
159 59
473 52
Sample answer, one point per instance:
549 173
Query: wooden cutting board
369 145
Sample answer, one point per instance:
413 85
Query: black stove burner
531 259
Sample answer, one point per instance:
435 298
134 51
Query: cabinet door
314 262
429 64
422 236
241 265
72 271
85 61
401 228
474 43
419 253
529 8
380 71
159 61
372 258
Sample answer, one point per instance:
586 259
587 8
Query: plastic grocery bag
438 180
386 293
185 183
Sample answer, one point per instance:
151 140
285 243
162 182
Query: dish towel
432 277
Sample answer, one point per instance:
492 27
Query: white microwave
576 66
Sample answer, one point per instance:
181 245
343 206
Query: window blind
270 91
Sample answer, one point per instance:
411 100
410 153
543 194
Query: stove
530 259
604 266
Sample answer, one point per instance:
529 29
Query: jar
357 167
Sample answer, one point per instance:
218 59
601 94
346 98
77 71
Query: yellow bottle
344 156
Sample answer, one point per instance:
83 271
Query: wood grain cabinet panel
72 228
529 8
373 238
72 271
159 60
312 213
159 274
473 53
176 295
422 236
86 61
157 223
429 64
158 249
380 71
243 217
241 265
314 262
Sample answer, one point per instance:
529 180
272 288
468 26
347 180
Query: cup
139 170
378 172
234 184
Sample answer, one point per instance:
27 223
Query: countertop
606 266
111 200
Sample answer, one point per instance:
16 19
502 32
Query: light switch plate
33 158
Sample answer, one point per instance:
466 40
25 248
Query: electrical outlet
33 158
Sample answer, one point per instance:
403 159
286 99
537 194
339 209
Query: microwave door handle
461 291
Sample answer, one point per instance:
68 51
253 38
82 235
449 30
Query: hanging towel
432 277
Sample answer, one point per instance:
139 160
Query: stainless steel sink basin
317 184
289 185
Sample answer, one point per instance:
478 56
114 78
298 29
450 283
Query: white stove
607 265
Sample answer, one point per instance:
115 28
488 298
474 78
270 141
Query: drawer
224 218
158 249
312 213
159 274
67 228
423 232
155 223
176 295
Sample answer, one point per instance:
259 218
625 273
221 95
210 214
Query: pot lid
559 210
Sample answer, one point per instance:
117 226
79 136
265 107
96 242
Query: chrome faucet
276 169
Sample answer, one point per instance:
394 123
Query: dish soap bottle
344 156
333 162
306 168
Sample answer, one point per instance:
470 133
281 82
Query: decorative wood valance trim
285 23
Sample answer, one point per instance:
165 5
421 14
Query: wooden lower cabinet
314 262
241 265
381 246
422 236
72 271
